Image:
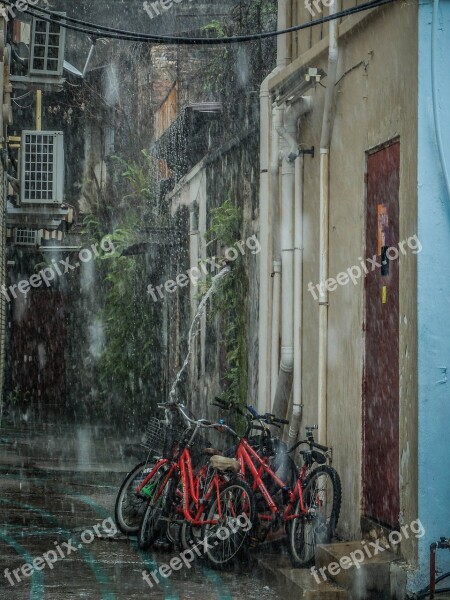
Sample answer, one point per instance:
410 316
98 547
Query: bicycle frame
191 487
245 454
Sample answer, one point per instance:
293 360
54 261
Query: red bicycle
307 501
214 498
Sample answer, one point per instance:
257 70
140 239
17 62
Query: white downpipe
276 310
193 263
265 284
265 216
298 283
333 53
287 264
290 152
277 122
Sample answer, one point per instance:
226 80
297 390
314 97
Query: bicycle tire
129 508
152 526
305 532
238 498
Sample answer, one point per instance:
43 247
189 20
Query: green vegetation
230 302
233 67
130 364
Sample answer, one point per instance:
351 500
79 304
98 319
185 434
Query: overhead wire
92 29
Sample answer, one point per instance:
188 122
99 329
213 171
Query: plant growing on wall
230 301
129 365
238 68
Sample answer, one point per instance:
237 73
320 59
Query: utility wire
120 34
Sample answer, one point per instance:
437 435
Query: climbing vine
129 364
238 67
230 301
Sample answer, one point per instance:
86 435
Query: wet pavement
57 493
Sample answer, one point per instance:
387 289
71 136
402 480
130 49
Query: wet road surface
57 493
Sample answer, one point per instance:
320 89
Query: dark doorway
37 362
380 469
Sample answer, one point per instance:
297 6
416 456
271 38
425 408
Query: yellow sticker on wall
383 294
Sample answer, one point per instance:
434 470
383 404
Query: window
27 237
47 48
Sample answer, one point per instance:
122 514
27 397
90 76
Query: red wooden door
380 469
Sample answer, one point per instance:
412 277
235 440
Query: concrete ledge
275 570
372 574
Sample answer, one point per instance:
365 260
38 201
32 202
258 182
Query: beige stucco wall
374 104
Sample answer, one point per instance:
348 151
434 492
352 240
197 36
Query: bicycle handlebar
197 422
269 418
311 443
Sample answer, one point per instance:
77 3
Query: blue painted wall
433 296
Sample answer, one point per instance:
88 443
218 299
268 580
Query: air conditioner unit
42 167
27 237
47 48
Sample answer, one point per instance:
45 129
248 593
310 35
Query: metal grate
26 237
42 155
47 48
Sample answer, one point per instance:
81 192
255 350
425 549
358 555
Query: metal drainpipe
265 344
289 133
333 53
277 122
298 284
265 217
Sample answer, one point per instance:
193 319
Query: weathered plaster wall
374 104
230 171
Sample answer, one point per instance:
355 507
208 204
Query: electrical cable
119 34
22 96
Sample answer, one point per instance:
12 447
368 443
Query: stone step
293 584
363 570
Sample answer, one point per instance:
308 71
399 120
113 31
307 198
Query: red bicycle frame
191 487
246 456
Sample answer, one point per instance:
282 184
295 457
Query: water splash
195 328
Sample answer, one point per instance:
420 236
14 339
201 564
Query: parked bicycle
173 499
210 499
306 501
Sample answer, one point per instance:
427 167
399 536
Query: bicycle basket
154 436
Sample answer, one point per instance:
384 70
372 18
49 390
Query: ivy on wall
230 301
128 369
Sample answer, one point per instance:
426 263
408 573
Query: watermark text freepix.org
194 273
365 267
241 522
61 267
154 9
368 550
62 550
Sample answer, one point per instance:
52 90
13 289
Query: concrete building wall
228 171
375 101
433 294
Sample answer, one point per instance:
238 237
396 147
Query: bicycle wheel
322 498
129 508
152 525
227 539
190 535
